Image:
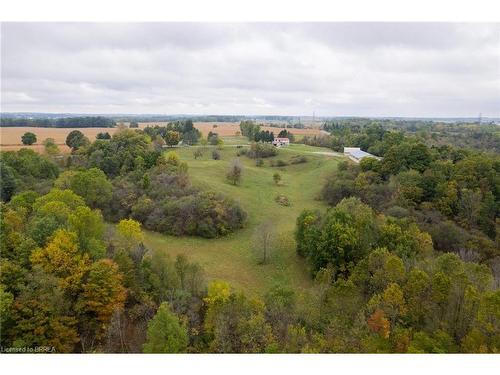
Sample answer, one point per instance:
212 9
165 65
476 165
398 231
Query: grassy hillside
231 258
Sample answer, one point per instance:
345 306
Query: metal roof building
356 154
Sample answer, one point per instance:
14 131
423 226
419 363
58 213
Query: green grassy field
232 258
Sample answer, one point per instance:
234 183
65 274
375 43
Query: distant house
278 142
356 154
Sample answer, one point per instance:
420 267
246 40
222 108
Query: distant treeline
150 117
70 122
203 118
354 132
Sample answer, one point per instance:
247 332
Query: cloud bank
359 69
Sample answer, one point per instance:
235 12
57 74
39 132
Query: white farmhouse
356 154
278 142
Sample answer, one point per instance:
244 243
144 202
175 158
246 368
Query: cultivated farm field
10 137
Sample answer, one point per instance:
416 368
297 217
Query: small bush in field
242 151
282 200
298 159
278 163
276 178
235 172
260 150
197 153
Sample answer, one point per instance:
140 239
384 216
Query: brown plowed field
10 138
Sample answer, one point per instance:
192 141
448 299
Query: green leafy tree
8 185
51 147
405 156
166 334
68 197
104 135
160 276
91 184
89 228
6 300
345 235
172 138
28 138
307 232
235 324
172 158
129 233
438 342
484 337
76 139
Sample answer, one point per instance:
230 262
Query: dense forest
413 238
368 134
406 259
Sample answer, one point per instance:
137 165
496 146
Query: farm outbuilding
356 154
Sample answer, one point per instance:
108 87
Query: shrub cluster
261 150
282 200
278 163
163 200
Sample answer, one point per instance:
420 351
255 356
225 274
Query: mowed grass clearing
232 258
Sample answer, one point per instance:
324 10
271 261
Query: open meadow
232 257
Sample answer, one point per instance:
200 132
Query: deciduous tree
235 172
166 334
28 138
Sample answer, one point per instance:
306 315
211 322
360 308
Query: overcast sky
333 69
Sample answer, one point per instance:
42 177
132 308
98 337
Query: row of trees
286 134
174 132
67 122
252 131
75 139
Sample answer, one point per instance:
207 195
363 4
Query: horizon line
247 115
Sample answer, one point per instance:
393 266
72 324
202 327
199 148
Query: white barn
356 154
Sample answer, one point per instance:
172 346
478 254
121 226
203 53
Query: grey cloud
392 69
